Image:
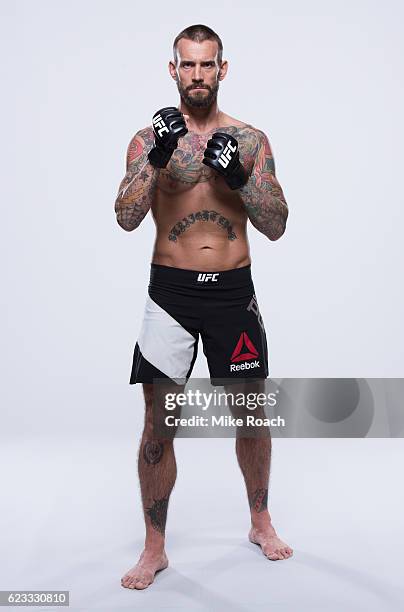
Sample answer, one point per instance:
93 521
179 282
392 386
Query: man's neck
202 120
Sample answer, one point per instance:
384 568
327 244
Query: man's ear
172 70
223 70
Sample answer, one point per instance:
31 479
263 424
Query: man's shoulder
139 144
247 131
145 133
247 134
236 123
254 131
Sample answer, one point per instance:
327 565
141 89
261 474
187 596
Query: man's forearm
135 196
267 211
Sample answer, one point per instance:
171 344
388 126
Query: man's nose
197 73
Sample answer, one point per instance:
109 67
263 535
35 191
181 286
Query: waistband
226 279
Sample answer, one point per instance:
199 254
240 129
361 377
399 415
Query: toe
143 581
140 585
133 581
273 556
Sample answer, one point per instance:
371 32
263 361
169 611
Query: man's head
198 62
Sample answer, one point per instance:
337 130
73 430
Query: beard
198 99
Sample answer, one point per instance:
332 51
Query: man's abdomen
198 252
202 229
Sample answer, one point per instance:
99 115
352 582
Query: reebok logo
244 349
205 277
244 366
227 156
160 125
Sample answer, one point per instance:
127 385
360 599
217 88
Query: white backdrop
324 80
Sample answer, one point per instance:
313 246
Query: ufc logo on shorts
226 156
160 125
203 278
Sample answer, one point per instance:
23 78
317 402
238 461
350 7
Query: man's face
197 72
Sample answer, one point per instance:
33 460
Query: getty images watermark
206 401
205 410
289 407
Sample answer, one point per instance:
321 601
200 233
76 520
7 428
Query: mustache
198 87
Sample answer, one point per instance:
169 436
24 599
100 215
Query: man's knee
153 446
155 413
245 400
148 394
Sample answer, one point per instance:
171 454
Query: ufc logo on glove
226 156
160 125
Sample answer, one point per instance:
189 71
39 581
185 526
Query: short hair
198 33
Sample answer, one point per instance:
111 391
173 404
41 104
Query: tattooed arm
137 188
262 196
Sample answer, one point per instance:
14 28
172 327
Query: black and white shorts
221 307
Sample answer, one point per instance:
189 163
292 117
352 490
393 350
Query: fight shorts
182 305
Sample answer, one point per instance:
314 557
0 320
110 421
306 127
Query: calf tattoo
158 514
202 215
259 500
153 452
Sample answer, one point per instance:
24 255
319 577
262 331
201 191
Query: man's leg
254 459
157 473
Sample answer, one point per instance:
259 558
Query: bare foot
272 547
142 574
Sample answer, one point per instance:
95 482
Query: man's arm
137 188
262 195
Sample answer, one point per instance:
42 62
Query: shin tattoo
254 457
259 500
157 474
158 514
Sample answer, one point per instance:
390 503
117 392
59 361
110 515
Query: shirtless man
202 174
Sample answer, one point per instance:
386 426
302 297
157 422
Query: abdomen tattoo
202 215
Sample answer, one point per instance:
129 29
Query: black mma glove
168 126
221 154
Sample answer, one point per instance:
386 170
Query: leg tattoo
153 452
157 474
259 500
158 514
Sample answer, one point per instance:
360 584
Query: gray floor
71 519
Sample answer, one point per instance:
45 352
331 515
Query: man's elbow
125 224
277 233
124 217
126 227
278 228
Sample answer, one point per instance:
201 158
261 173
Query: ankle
260 519
154 548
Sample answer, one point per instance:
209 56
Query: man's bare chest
185 169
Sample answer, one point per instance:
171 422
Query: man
202 174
